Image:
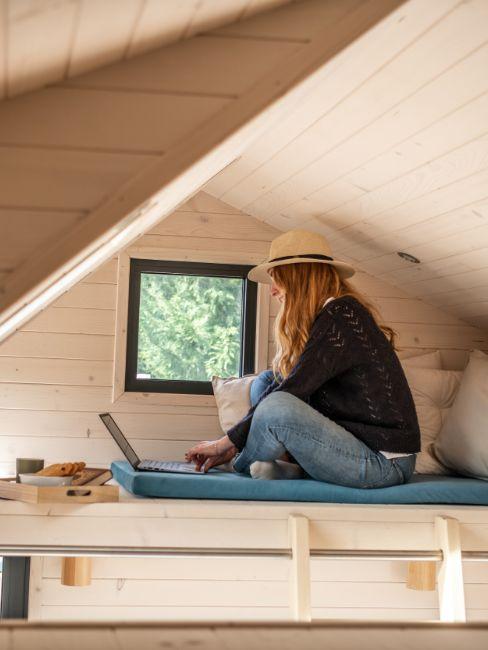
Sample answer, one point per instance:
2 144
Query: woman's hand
210 453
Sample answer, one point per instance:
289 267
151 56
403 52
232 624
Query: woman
337 399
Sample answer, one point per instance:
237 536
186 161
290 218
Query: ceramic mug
27 466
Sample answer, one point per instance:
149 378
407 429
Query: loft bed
427 537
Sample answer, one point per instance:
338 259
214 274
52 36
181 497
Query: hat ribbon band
310 256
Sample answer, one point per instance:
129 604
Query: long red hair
306 286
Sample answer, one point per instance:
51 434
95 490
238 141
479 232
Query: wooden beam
298 528
165 184
452 608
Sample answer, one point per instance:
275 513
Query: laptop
173 467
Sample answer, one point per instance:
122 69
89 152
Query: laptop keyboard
168 466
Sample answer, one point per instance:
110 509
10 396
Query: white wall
56 376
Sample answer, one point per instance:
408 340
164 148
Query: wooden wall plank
58 346
170 423
57 371
73 320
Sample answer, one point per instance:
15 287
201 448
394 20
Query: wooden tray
86 493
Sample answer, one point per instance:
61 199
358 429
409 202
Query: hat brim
260 273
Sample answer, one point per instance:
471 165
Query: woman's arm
326 354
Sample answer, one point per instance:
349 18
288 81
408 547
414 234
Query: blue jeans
325 450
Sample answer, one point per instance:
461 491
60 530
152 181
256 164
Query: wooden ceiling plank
448 283
204 66
348 70
294 22
39 45
102 120
449 265
164 185
103 33
63 180
381 112
456 129
38 229
210 14
465 240
161 23
4 39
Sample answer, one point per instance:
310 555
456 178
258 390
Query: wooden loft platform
291 533
251 636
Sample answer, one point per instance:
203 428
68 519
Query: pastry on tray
62 469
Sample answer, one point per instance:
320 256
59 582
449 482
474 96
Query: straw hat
297 246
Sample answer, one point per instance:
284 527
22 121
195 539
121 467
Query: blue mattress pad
423 488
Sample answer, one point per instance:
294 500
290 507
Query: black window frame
248 329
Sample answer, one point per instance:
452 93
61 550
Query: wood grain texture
87 34
189 161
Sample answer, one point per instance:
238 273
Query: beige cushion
433 392
232 397
462 443
428 360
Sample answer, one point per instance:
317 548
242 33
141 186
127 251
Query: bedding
433 393
462 443
230 486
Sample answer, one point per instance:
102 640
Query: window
186 322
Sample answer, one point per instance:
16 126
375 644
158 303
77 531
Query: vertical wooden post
298 528
76 571
450 583
421 576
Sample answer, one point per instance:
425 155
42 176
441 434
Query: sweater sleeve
326 355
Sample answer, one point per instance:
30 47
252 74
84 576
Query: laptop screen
120 439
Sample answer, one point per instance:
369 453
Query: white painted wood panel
349 70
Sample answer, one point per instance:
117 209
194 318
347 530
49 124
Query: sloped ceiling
47 41
389 153
101 158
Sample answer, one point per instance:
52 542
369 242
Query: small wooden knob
76 571
421 576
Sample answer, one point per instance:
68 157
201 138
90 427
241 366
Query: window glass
189 327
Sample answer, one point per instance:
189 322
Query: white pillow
428 360
433 393
232 397
462 443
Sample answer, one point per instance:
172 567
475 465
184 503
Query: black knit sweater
349 372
